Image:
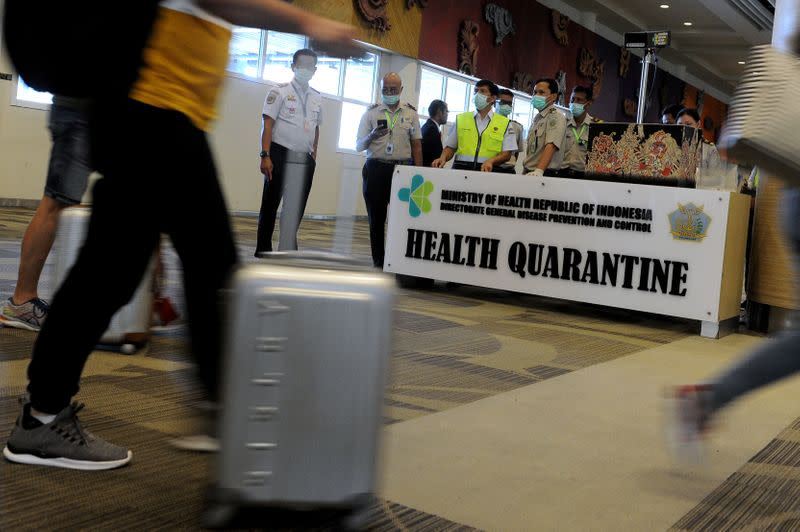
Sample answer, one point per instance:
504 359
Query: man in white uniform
292 116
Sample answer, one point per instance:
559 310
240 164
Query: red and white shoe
688 414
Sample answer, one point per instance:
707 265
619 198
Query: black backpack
79 48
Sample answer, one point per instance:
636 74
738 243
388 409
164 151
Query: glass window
244 51
348 127
27 94
359 78
430 88
280 51
326 80
522 112
456 97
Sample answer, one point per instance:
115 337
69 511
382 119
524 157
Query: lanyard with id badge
306 122
390 123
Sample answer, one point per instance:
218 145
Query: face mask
480 101
576 109
303 75
390 99
539 102
504 109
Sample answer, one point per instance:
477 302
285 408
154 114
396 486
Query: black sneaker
61 443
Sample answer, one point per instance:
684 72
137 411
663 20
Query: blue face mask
576 109
539 102
390 99
504 109
480 101
303 75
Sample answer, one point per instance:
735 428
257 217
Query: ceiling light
664 6
742 63
687 23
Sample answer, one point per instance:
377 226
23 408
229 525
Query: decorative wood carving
624 62
560 23
598 72
590 67
561 80
500 17
586 63
629 107
468 47
523 82
412 3
375 13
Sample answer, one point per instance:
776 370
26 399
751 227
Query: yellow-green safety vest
479 148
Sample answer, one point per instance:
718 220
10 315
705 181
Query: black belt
565 172
390 162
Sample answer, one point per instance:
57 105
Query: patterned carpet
451 346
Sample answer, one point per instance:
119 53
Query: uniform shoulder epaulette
411 106
373 106
597 121
313 89
281 85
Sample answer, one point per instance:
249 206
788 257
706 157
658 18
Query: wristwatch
263 154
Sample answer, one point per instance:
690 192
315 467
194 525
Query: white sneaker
688 413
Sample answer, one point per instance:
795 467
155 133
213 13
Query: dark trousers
377 188
292 174
159 177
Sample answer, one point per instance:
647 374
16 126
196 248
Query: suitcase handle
316 256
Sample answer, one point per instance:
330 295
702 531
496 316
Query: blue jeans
776 358
69 168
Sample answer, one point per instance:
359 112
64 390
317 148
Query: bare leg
36 246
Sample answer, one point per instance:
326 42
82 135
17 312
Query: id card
389 149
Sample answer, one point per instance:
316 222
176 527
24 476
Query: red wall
533 49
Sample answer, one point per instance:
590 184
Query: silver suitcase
307 351
130 327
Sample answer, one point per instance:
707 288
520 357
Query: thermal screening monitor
647 39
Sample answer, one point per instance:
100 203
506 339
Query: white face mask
303 75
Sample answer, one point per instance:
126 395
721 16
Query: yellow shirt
184 62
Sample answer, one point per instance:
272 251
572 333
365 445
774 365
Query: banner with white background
647 248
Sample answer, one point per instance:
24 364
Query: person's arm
547 156
489 164
316 143
416 151
554 138
334 38
450 147
446 155
365 134
266 142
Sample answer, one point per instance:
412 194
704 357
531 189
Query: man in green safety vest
481 140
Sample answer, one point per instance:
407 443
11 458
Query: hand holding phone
381 130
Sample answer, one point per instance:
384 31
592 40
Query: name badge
389 149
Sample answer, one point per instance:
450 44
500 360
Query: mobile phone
382 124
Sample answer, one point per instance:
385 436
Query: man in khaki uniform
389 132
547 135
577 137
